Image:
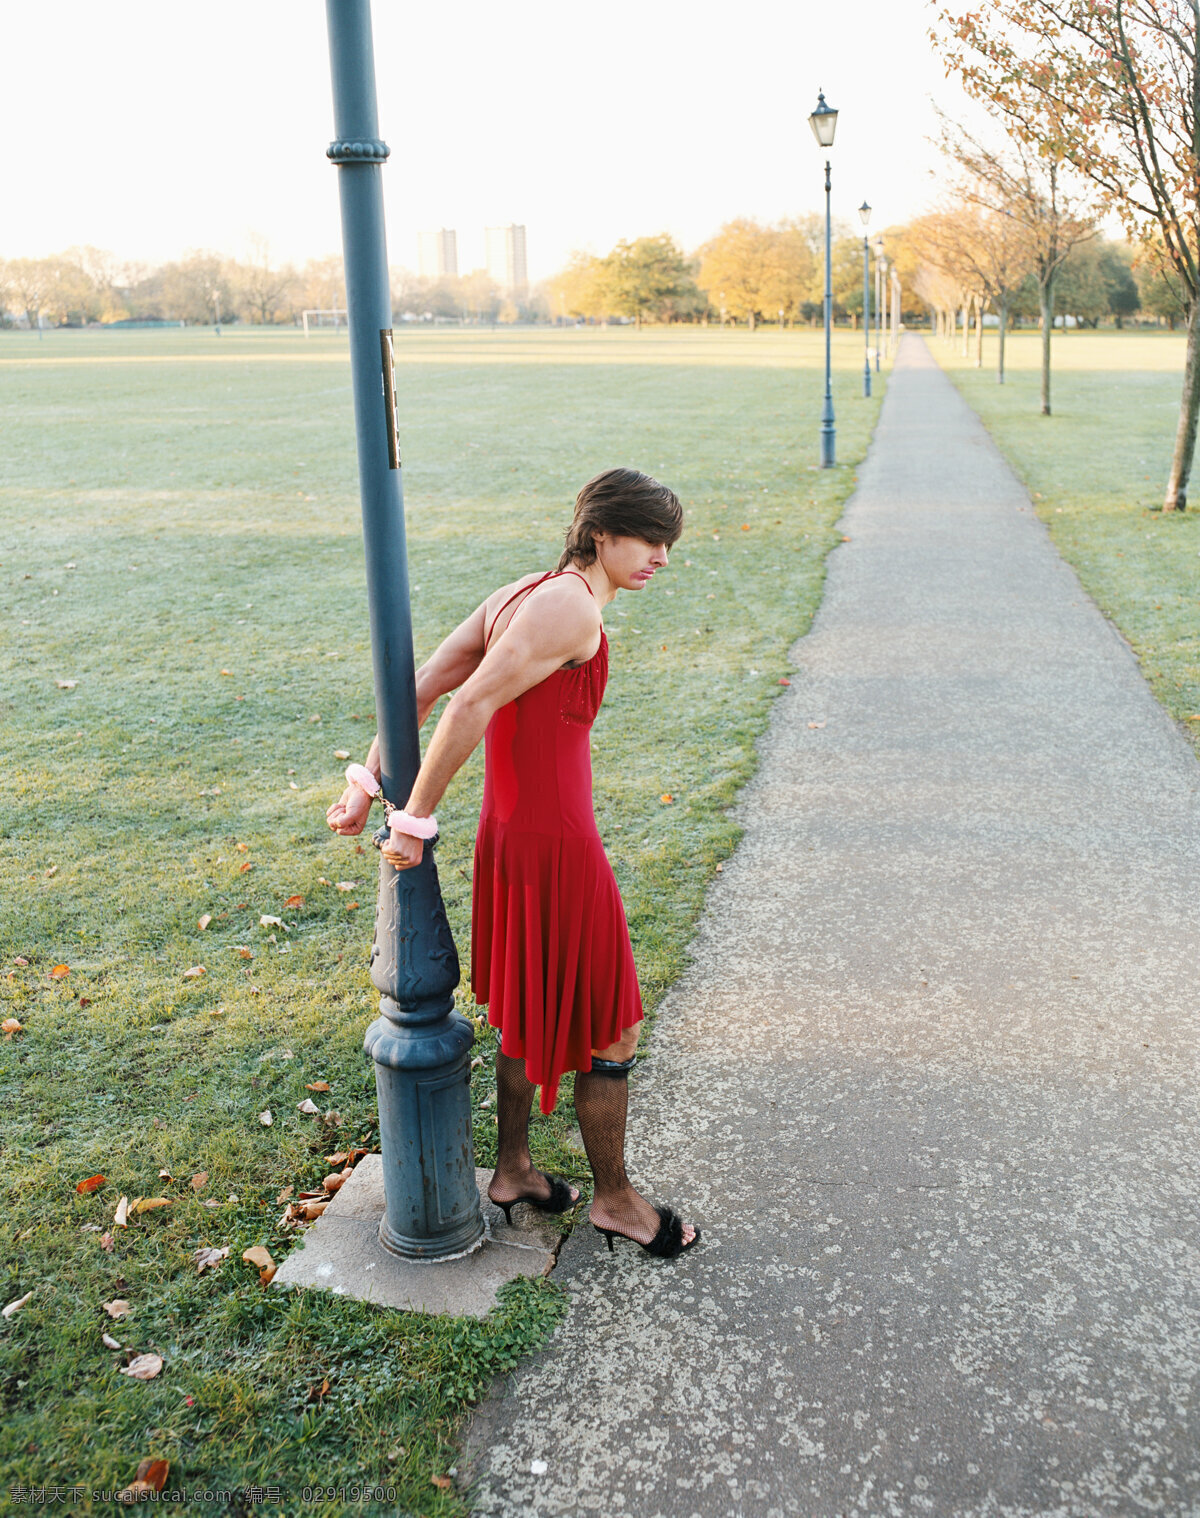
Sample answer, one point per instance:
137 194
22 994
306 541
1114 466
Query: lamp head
864 214
823 122
879 247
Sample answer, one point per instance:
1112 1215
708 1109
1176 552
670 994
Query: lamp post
864 214
420 1044
216 300
824 123
879 262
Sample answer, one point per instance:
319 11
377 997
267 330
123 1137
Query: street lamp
216 300
864 215
824 123
879 262
421 1046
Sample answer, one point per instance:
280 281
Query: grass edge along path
1094 471
180 547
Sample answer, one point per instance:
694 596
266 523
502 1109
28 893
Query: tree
196 288
985 252
792 267
1159 291
737 269
1030 189
578 290
643 278
263 289
1112 88
32 282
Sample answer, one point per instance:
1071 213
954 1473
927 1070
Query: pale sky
154 126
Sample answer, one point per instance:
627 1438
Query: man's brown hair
626 504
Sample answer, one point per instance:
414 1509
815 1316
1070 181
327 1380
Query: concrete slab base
341 1253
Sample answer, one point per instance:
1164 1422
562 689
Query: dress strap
526 590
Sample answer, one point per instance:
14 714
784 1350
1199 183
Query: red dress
550 951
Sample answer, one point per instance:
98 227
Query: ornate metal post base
422 1052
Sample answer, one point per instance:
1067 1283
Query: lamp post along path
823 121
420 1044
879 306
864 212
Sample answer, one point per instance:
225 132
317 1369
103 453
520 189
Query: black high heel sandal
559 1200
667 1243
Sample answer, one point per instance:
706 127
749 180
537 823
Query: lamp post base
828 447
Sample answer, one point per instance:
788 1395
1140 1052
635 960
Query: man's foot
629 1213
549 1192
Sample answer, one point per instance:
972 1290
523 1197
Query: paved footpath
930 1085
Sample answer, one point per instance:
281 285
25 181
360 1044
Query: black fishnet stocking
601 1104
514 1174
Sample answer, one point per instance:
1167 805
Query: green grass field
180 544
1096 469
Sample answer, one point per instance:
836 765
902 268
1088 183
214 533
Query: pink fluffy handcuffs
398 821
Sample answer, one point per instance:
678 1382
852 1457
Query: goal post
334 318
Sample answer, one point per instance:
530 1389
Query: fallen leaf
60 972
242 868
93 1183
244 951
313 1209
317 1086
216 1011
51 872
243 848
195 972
107 1242
320 881
227 672
121 1216
265 1118
66 684
143 1367
1195 717
262 1258
285 1194
308 1106
117 1308
254 991
16 1306
149 1203
443 1483
346 885
294 901
11 1026
352 906
745 526
315 1393
336 1181
845 539
109 1342
720 867
273 922
666 798
151 1478
204 921
206 1258
85 1001
785 682
199 1180
341 753
816 724
20 960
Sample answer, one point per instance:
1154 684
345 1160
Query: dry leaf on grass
109 1342
148 1203
294 901
204 921
16 1306
274 922
107 1242
308 1107
151 1478
121 1216
242 868
52 872
11 1026
265 1118
244 951
206 1258
262 1258
317 1086
315 1393
117 1308
341 753
66 684
93 1183
199 1180
346 885
443 1483
143 1367
60 972
195 972
816 724
285 1194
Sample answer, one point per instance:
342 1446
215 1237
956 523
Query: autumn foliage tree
1112 88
